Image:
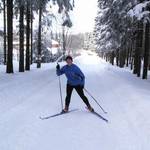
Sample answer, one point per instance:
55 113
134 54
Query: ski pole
95 101
60 91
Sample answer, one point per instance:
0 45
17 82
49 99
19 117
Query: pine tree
21 36
5 36
9 68
28 14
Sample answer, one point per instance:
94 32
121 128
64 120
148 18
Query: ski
57 114
98 115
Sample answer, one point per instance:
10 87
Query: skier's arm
60 71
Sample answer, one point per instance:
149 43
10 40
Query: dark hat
69 57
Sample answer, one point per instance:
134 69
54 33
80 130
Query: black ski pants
79 90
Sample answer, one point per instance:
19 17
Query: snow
137 11
26 96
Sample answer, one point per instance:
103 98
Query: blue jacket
73 73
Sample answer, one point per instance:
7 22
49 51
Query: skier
75 80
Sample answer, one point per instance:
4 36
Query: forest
122 34
25 11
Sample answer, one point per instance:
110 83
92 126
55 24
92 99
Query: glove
58 67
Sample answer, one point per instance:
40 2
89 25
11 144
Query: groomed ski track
26 96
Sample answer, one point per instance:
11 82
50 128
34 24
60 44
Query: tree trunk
9 68
146 50
132 54
39 39
64 41
117 57
137 57
139 49
127 57
28 37
21 53
131 57
31 35
135 61
112 55
122 59
5 37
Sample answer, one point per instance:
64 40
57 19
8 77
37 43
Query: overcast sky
84 14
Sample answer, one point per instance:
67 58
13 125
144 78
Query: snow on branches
140 11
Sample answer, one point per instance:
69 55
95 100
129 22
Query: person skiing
75 80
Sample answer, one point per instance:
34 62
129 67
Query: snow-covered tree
140 14
119 27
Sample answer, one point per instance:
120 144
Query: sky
84 14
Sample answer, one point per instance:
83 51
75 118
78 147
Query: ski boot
65 110
90 109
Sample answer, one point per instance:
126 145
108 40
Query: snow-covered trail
25 97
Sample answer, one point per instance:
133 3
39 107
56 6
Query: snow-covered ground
26 96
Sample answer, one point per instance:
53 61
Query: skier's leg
69 90
80 91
